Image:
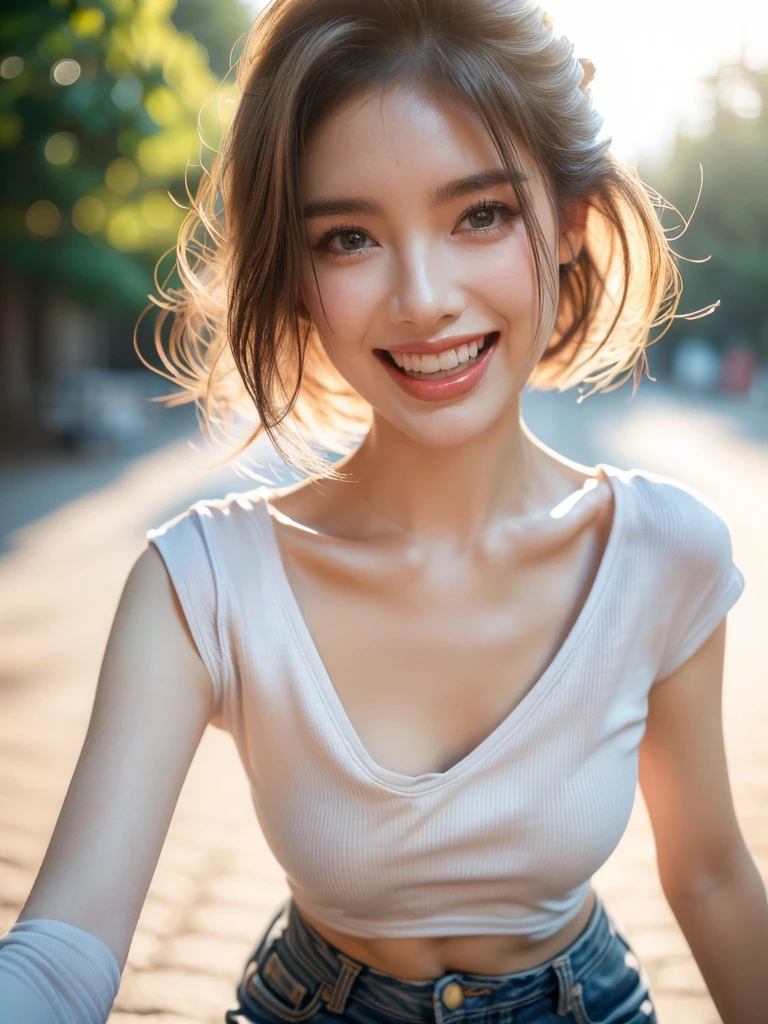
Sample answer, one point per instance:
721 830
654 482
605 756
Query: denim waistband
312 959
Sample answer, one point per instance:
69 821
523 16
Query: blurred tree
730 223
99 105
217 26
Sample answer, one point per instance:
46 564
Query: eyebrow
442 194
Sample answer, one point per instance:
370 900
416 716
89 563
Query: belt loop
344 982
565 984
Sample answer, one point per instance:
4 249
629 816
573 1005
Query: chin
447 428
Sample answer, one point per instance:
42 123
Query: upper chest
429 651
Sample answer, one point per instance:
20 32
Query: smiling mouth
488 340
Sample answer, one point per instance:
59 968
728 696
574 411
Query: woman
440 657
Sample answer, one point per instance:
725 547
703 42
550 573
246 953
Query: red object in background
738 369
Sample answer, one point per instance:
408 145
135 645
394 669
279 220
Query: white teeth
448 360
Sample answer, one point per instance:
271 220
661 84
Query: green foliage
99 107
219 33
730 224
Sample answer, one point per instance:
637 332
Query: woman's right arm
153 700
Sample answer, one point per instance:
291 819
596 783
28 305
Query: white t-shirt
506 840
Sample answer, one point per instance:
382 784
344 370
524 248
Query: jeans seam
393 1014
593 966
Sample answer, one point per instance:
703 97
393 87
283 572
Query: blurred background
99 107
109 111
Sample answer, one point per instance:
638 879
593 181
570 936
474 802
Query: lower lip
455 386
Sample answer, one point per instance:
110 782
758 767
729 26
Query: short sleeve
188 549
704 578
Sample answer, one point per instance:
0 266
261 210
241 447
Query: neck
452 494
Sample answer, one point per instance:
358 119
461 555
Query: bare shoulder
320 505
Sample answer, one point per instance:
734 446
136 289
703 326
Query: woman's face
400 265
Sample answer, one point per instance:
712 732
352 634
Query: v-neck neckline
427 782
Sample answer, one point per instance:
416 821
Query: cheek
515 279
348 300
506 280
343 325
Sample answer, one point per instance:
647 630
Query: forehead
398 137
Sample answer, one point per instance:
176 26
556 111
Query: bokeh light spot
43 218
62 149
11 67
746 102
87 23
122 176
163 106
126 92
158 210
168 152
65 72
152 156
124 230
89 214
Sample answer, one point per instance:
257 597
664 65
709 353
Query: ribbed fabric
505 841
52 972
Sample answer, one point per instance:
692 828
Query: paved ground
216 883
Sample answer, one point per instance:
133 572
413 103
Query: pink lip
438 345
455 386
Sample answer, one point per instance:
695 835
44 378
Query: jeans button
453 995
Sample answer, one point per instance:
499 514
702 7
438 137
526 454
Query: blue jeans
294 974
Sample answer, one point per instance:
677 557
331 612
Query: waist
429 957
301 960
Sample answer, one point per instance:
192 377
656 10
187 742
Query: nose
425 288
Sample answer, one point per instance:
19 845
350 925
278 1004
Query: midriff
428 958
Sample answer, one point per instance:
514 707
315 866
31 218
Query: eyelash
486 204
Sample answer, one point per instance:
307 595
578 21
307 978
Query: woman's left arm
708 877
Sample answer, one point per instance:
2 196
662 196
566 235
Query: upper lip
438 345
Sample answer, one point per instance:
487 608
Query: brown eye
343 231
355 236
484 216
